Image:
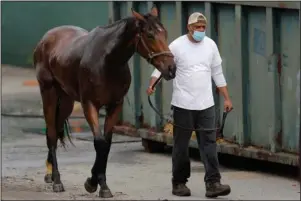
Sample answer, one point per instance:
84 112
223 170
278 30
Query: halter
150 54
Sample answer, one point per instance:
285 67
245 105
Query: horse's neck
124 47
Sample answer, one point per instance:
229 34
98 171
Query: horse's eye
150 36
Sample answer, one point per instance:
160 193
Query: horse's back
54 54
65 31
54 41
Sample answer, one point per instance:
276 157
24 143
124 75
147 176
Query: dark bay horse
73 64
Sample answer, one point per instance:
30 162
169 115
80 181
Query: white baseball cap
197 17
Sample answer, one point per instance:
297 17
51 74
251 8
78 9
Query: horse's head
151 42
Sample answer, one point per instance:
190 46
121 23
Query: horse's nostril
171 71
172 68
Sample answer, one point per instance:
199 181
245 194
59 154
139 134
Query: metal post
239 62
111 12
299 101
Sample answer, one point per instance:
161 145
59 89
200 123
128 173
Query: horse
92 68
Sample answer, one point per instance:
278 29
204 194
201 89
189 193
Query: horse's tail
37 54
61 133
34 57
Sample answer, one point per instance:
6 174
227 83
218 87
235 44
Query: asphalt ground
132 172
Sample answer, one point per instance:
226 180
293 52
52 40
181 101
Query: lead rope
151 55
225 113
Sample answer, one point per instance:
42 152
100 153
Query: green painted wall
24 23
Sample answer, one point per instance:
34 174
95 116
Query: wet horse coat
73 64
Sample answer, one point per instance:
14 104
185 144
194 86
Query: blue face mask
198 35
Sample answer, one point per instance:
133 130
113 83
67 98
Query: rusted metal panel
290 66
238 62
260 79
273 81
229 148
227 44
269 4
260 62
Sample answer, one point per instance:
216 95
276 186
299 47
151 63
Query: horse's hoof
58 188
48 178
89 187
105 193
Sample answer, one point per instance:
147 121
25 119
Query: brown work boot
180 190
217 189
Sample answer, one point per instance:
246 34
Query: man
197 59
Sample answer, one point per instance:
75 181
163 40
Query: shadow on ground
236 163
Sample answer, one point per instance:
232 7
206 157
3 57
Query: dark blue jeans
206 142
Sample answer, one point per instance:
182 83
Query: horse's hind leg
102 145
48 176
50 108
64 111
50 100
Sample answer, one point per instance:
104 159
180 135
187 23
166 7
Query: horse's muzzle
172 71
168 70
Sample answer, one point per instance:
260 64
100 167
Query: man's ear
189 28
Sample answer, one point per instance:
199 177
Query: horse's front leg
91 114
102 145
112 111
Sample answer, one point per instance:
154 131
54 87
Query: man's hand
228 105
150 91
227 102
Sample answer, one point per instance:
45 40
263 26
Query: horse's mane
116 35
150 19
118 23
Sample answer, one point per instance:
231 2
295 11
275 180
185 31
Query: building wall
24 23
259 43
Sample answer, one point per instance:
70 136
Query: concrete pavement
132 173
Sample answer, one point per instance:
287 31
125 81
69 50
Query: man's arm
220 81
219 78
155 75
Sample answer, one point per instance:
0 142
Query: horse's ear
154 11
137 15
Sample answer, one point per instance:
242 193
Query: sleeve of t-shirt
216 68
173 49
216 60
156 73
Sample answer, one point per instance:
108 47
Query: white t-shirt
196 64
